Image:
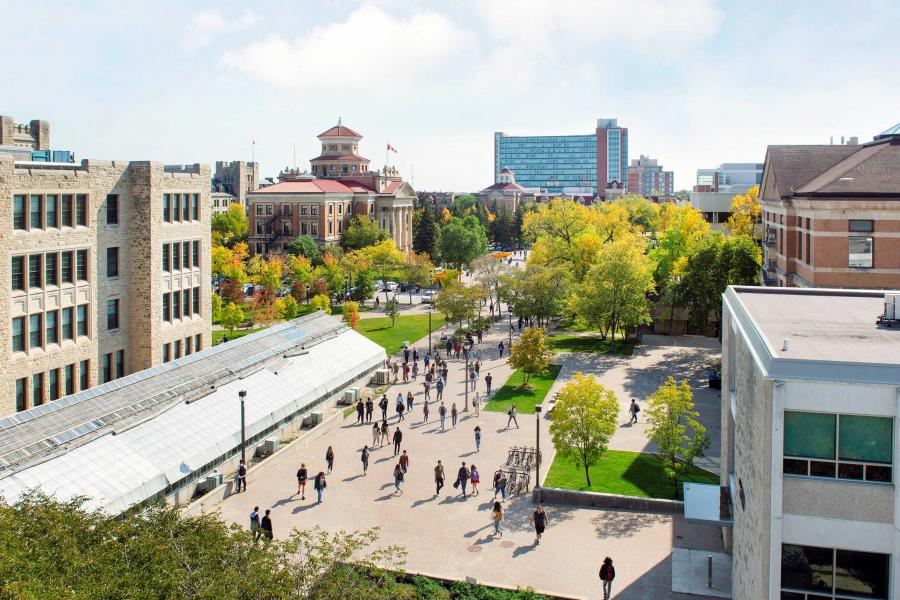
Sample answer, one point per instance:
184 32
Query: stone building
107 271
505 194
237 179
32 136
320 204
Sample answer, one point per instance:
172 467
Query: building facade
612 153
320 204
236 178
506 194
107 270
31 136
647 178
810 403
832 215
715 188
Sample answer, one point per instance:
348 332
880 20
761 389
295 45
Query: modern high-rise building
647 178
565 164
106 270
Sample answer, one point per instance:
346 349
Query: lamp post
429 327
243 394
466 379
509 314
537 457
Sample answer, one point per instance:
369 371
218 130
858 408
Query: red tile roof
392 187
315 186
340 157
339 131
505 187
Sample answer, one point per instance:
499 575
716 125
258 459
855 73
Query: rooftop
339 131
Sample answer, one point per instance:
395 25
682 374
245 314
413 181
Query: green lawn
619 472
589 343
525 400
218 336
409 328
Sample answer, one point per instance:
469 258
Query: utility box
892 307
315 417
270 445
351 395
381 377
212 482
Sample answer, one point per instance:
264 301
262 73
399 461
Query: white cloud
206 25
369 48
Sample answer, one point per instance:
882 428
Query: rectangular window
53 385
177 348
304 228
68 326
84 375
37 213
167 352
826 573
198 343
314 209
259 209
19 212
331 209
37 389
51 332
268 210
69 379
186 207
195 207
186 255
67 207
166 309
314 229
186 303
286 228
120 363
188 346
860 252
112 209
861 225
176 207
112 314
35 326
106 368
21 402
112 262
196 305
18 334
52 207
81 266
176 305
34 270
65 267
176 256
286 209
81 210
196 252
50 265
808 247
165 258
18 272
303 209
167 208
81 324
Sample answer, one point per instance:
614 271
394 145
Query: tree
231 316
230 227
503 229
384 260
584 420
679 437
462 240
392 309
350 312
288 308
303 245
321 302
300 274
489 271
463 204
361 232
458 301
416 270
216 308
530 353
425 235
535 291
643 214
746 213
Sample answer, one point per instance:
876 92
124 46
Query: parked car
428 296
390 286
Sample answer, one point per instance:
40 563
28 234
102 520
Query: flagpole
385 155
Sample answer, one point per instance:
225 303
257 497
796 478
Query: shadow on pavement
524 549
285 501
622 524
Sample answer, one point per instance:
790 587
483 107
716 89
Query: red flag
391 148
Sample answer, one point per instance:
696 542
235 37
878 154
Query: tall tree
303 245
585 418
535 291
462 240
416 270
361 232
459 302
230 227
425 236
530 354
385 260
746 213
488 271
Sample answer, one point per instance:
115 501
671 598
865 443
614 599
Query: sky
697 82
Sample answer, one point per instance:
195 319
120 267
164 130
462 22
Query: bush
320 302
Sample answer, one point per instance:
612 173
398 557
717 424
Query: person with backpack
442 413
240 477
500 484
607 574
462 479
634 409
500 346
475 479
478 438
497 517
440 389
383 404
329 459
266 525
398 479
370 408
404 461
365 459
301 481
254 524
476 404
487 381
409 401
320 484
511 414
398 437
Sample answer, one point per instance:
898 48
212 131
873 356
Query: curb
499 586
607 501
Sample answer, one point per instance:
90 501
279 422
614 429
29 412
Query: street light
537 457
429 327
243 394
466 378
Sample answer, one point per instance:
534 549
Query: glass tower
553 164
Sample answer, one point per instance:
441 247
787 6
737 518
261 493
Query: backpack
637 409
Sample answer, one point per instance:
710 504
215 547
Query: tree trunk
587 474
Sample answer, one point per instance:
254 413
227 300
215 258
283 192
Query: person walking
427 386
440 389
476 403
425 412
438 478
415 355
301 481
415 370
376 433
497 517
453 414
406 355
370 408
478 438
406 372
329 458
399 406
500 484
360 410
409 402
607 574
365 460
539 519
383 404
320 484
634 409
398 479
240 477
511 414
475 479
385 435
266 525
462 479
396 369
442 413
487 382
473 378
500 347
426 359
404 461
398 437
254 524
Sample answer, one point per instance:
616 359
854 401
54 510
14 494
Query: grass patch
524 399
409 328
589 343
619 472
570 323
219 335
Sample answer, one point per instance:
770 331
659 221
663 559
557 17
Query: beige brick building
106 270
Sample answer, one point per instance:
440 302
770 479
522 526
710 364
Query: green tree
458 301
300 274
535 291
585 417
385 260
416 270
216 308
361 232
231 316
363 286
303 245
462 240
425 234
230 227
679 437
288 308
489 271
503 229
321 302
531 353
392 309
463 204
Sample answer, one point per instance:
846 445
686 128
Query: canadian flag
391 148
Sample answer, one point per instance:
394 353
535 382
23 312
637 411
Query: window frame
17 275
112 314
51 269
51 327
36 330
67 256
871 242
20 215
35 271
82 321
19 340
112 209
112 262
81 208
82 273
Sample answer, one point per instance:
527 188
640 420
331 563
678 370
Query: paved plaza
452 536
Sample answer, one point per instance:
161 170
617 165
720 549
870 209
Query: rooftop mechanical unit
381 377
891 315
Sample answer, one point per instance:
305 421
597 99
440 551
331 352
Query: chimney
784 346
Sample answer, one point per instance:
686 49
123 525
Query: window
331 209
860 252
314 210
69 379
65 267
329 227
832 573
37 211
50 264
81 210
37 389
186 207
304 228
314 229
21 403
259 209
196 247
112 262
186 255
67 216
195 207
34 271
54 384
176 207
808 247
112 209
166 309
82 319
861 225
67 323
19 212
176 305
340 209
112 314
165 258
188 346
286 210
286 228
198 343
106 368
18 334
167 352
51 332
186 303
35 325
196 305
84 375
838 446
18 272
268 210
303 209
120 363
177 348
176 256
81 266
52 207
167 208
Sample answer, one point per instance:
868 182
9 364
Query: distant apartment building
565 164
808 500
647 178
715 188
235 179
320 204
831 214
107 270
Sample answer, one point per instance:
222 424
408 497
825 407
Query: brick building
647 178
107 270
320 204
832 214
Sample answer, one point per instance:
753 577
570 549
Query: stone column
409 230
395 219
